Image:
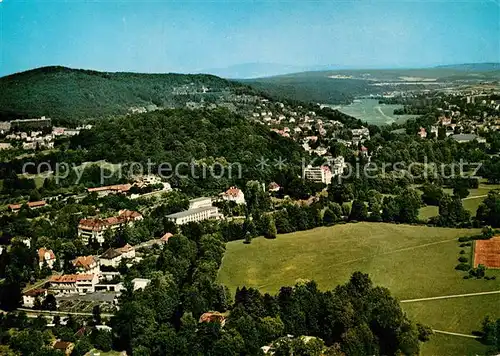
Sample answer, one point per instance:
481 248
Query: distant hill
341 86
477 67
67 94
259 70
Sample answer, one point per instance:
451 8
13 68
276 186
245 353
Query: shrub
466 277
462 252
462 259
462 267
464 239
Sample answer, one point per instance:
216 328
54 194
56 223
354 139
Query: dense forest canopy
199 137
64 93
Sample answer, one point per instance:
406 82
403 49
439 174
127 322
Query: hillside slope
67 94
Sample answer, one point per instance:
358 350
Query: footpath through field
449 296
456 334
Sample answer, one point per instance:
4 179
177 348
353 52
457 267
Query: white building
111 257
201 202
127 251
321 174
140 283
338 166
31 296
74 283
199 209
234 194
93 229
46 256
87 265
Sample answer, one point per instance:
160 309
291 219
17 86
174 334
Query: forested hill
69 94
191 136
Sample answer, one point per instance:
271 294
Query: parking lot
85 303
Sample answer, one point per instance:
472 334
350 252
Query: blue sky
189 36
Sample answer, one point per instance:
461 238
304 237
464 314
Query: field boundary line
394 251
450 296
475 197
456 334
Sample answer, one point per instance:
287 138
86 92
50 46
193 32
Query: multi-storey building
94 229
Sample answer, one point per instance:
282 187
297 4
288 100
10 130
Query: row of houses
93 229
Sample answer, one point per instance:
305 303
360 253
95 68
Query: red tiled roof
35 292
99 224
71 278
41 254
62 345
212 317
166 236
32 204
35 204
118 187
125 248
129 214
233 192
84 261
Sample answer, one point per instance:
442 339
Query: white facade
321 174
46 256
74 283
140 283
202 202
194 215
87 265
31 296
235 195
111 258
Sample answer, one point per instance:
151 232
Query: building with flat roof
321 174
199 209
194 215
201 202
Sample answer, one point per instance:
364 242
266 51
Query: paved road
449 296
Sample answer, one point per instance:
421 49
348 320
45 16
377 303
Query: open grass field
412 261
449 345
471 203
460 315
370 111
